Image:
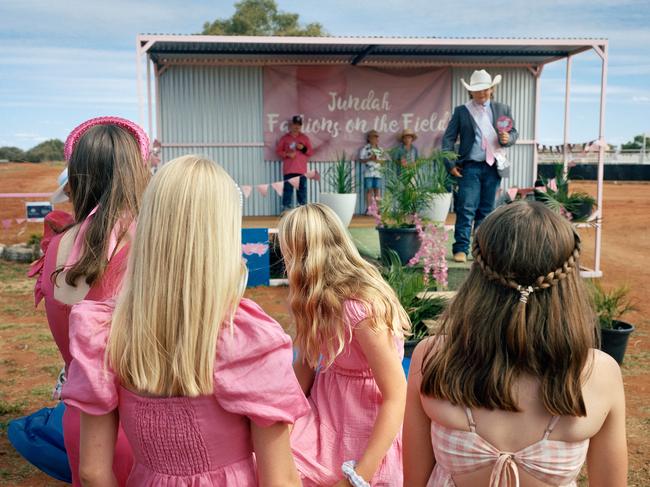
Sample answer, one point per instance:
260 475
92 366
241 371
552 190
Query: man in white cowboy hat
485 128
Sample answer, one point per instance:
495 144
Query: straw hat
408 132
481 80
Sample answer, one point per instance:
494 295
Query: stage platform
365 236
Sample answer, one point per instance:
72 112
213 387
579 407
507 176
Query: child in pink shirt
199 377
350 335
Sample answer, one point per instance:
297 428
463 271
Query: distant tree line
50 150
637 143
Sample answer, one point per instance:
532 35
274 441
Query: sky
62 62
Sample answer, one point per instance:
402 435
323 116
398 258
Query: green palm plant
408 189
340 176
611 305
409 286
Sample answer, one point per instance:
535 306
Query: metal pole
538 74
149 104
567 95
601 158
138 75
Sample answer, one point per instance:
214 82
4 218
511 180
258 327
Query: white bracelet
353 477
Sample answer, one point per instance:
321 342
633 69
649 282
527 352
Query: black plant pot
614 340
404 241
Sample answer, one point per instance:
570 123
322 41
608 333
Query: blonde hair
325 269
523 309
183 282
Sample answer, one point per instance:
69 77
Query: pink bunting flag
6 223
313 174
20 221
512 193
263 189
246 189
295 181
278 186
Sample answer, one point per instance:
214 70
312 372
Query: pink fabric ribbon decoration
263 189
278 186
246 189
295 181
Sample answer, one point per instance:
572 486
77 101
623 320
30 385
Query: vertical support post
567 96
138 75
537 73
156 74
601 156
149 104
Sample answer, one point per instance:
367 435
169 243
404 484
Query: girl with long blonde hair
350 332
513 391
199 376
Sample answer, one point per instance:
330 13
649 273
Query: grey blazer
462 124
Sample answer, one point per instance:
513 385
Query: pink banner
340 104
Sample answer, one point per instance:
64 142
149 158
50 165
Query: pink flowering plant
432 253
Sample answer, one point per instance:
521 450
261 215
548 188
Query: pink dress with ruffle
198 441
58 314
345 402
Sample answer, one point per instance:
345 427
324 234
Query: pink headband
133 128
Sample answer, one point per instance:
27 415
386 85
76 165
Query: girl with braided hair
513 391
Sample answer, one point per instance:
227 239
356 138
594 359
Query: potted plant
408 191
342 199
411 289
576 206
439 183
610 306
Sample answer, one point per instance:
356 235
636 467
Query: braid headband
133 128
542 282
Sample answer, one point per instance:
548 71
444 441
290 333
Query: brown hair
324 270
105 170
523 252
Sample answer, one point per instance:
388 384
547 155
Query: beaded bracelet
353 477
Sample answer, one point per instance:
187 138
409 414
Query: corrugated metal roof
362 50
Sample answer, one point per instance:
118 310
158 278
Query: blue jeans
287 191
477 191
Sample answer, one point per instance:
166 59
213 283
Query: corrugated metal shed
209 91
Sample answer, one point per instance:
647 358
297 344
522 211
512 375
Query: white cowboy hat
481 80
59 195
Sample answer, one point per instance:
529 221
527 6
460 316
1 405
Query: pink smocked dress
345 402
58 319
198 441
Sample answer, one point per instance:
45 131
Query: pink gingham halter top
551 461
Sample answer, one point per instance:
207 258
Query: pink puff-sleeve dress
345 402
192 441
58 314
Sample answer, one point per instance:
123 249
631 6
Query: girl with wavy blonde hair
513 391
181 342
350 332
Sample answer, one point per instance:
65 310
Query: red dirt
29 360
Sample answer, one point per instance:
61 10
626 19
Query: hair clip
525 292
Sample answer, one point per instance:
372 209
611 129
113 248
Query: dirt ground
29 360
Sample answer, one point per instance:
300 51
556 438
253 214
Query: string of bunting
278 186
